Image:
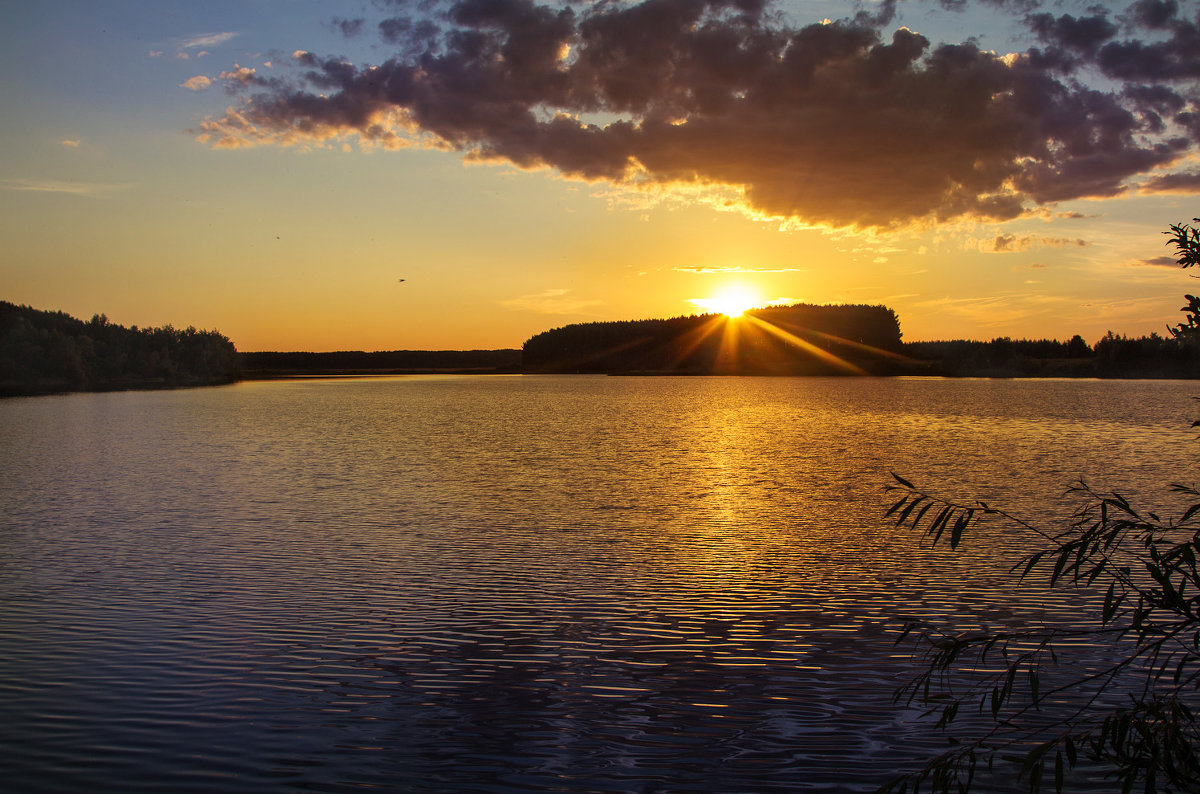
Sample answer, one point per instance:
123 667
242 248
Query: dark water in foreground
514 583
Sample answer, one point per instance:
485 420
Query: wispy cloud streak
58 186
551 301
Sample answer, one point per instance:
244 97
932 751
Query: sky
417 174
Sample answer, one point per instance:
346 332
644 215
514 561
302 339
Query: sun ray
691 341
840 340
817 352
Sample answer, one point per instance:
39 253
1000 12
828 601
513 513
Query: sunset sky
274 168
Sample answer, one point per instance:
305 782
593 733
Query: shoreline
48 390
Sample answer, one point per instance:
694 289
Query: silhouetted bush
1133 714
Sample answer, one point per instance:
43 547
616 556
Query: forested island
801 339
43 352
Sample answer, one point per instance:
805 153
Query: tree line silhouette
272 363
1113 356
51 351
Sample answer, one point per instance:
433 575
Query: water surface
516 583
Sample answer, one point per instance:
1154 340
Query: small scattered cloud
990 311
725 270
1009 243
70 143
156 53
551 301
92 189
1158 261
197 83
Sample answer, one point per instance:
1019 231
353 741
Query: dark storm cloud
830 123
1080 34
1072 42
349 27
1153 14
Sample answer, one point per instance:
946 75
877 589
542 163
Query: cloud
551 301
736 269
1159 261
1007 243
197 83
239 74
205 40
1183 182
348 27
829 124
72 143
57 186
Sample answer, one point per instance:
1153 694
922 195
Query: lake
525 583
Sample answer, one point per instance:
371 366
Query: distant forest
801 339
274 364
44 351
1113 356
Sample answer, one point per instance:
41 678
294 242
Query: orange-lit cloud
238 74
197 83
829 123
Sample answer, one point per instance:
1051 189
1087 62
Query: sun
731 302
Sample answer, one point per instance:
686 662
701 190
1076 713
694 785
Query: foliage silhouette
1132 716
42 351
